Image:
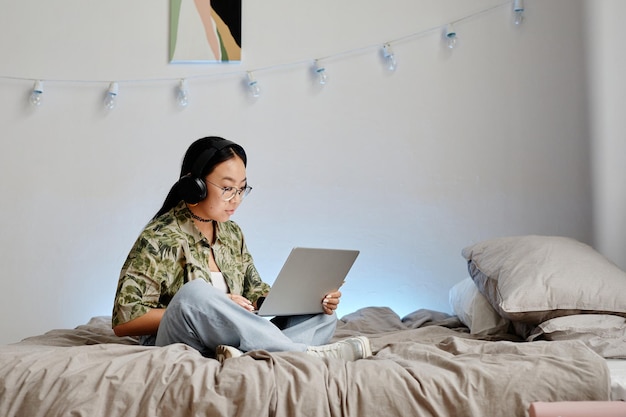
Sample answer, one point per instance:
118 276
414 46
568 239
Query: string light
182 93
36 94
389 57
110 99
451 36
320 71
518 12
253 86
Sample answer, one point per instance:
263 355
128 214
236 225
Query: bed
479 361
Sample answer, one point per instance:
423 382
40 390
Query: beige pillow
532 279
474 311
605 334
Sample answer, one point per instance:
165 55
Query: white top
217 279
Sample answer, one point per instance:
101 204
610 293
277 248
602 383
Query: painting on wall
205 31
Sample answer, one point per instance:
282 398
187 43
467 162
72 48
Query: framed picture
205 31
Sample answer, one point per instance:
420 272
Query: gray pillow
532 279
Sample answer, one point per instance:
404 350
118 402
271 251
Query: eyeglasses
228 193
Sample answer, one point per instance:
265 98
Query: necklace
200 219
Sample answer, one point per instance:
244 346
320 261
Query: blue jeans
203 317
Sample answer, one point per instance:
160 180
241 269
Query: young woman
190 279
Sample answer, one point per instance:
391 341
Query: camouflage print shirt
170 252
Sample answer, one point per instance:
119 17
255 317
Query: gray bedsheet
424 365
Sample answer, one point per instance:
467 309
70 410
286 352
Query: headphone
191 187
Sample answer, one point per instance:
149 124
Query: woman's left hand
331 301
242 301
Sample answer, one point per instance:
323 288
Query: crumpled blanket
425 364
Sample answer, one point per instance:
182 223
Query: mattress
617 369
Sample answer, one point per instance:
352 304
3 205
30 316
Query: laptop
306 277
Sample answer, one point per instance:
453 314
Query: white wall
607 88
409 167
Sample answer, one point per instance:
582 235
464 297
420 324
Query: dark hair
190 158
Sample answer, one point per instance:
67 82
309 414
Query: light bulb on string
451 36
110 99
182 94
253 86
389 57
320 71
518 12
36 95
